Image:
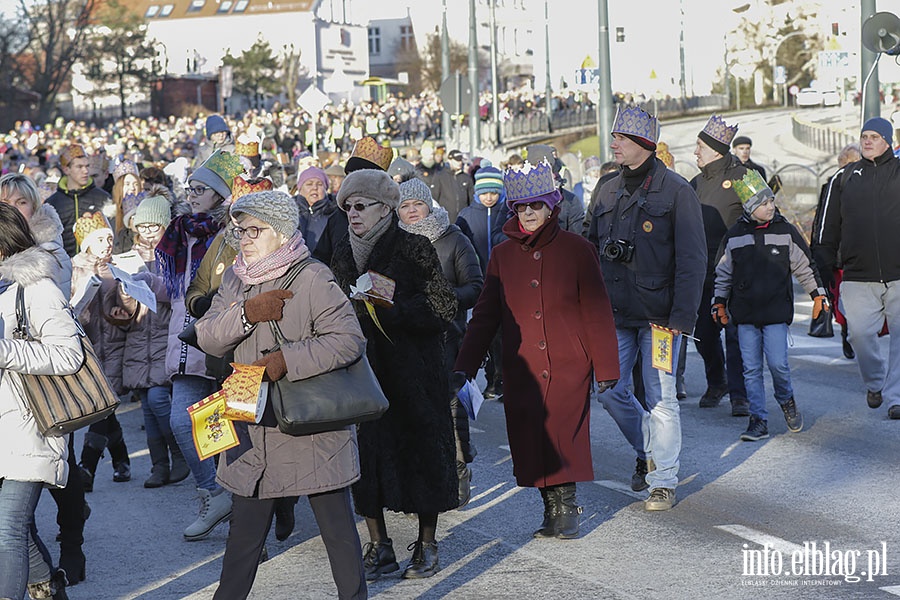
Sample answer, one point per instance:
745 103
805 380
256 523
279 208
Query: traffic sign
780 75
313 100
456 95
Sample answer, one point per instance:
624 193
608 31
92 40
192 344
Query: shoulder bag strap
21 330
288 281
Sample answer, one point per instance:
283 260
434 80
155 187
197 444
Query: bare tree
290 72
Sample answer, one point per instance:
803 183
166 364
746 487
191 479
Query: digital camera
618 251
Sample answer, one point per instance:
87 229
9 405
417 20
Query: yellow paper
213 433
245 393
663 347
371 310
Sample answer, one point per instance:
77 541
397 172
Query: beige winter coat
281 464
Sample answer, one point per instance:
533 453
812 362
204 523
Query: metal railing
820 137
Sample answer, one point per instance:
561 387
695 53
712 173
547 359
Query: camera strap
642 192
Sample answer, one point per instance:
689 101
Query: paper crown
752 190
528 181
84 226
368 154
663 154
224 164
70 153
633 120
124 168
246 146
242 187
717 129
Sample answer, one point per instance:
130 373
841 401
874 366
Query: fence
820 137
105 114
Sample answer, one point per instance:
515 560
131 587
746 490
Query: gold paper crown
224 164
367 149
85 226
717 129
246 146
752 189
528 181
242 187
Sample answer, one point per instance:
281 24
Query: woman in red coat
544 289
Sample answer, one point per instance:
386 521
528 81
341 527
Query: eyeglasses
198 191
358 206
252 231
149 227
535 206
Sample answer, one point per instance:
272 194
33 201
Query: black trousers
251 519
720 371
70 505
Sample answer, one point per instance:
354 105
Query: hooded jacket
484 226
71 204
47 230
25 454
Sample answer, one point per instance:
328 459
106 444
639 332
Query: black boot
569 511
847 348
72 561
464 474
91 453
284 517
549 526
118 452
180 469
424 561
159 456
72 512
379 558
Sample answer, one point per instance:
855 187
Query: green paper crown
752 189
225 165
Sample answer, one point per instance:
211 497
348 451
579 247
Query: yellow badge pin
726 184
647 226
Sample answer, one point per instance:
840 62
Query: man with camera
648 230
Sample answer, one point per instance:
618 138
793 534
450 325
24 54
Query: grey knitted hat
372 185
272 207
416 189
155 209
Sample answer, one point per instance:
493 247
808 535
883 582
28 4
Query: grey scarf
433 226
362 245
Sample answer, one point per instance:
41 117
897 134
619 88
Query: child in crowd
753 279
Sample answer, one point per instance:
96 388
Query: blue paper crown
528 181
633 120
717 129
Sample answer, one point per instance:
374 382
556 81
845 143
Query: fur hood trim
28 266
46 226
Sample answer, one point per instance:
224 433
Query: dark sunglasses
535 206
358 206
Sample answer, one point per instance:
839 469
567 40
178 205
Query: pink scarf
274 265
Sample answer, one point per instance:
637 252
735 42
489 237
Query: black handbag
822 326
328 401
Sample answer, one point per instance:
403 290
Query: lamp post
775 64
604 102
871 103
445 69
547 85
495 83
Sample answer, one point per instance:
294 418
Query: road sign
794 90
835 61
456 94
780 75
226 79
313 100
587 76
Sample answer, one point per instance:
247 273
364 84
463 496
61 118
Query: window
406 37
241 6
196 6
225 6
166 10
374 40
152 11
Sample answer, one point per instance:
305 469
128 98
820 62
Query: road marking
891 589
177 574
475 429
618 486
822 360
758 537
731 449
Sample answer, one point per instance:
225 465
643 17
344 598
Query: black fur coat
408 457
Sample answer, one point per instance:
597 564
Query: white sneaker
215 507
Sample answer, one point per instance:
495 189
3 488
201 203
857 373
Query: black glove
602 386
200 305
457 381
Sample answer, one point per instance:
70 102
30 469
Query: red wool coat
546 291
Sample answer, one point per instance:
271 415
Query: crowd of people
574 290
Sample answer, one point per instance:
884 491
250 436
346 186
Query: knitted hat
273 208
638 125
88 228
368 154
124 168
740 141
242 187
415 189
531 183
488 178
215 124
882 127
752 190
718 135
403 168
369 184
70 153
218 172
155 209
312 173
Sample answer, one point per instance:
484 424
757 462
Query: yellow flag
663 348
213 433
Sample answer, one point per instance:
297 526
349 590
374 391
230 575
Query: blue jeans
156 403
18 499
658 425
186 390
769 341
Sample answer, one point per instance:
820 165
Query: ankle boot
845 344
91 453
215 507
569 511
180 469
54 588
551 513
379 558
72 562
118 452
464 474
159 456
284 517
424 561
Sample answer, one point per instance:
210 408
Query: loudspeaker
881 33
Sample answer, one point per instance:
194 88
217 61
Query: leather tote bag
63 403
822 327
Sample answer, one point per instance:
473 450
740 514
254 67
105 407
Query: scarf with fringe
172 250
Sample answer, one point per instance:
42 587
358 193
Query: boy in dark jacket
753 278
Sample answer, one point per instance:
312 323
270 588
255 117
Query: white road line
731 448
758 537
891 589
822 360
618 486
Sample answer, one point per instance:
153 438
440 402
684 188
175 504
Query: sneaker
874 399
740 407
215 507
639 477
660 499
378 559
894 412
712 396
757 430
792 416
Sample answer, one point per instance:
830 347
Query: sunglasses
358 206
198 191
535 206
252 231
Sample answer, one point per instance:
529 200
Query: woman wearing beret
323 334
545 292
402 470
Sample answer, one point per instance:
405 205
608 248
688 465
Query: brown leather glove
820 303
268 306
719 315
274 364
